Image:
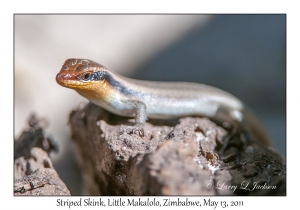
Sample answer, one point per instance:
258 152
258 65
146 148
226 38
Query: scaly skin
128 97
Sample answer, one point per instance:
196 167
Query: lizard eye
86 76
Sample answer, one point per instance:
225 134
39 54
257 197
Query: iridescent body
129 97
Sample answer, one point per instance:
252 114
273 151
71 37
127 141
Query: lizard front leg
140 117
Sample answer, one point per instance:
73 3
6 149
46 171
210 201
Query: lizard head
87 77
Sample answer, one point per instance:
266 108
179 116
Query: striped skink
141 99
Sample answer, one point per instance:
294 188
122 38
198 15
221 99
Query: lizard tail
257 129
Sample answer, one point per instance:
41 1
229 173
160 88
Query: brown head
85 76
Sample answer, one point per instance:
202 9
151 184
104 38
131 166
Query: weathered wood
33 169
189 156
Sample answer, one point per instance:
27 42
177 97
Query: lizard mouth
70 81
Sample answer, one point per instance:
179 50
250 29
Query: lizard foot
138 129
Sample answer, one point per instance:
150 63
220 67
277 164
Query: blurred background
242 54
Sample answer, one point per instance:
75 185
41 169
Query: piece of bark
34 136
33 170
185 157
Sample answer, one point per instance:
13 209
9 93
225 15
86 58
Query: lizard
158 100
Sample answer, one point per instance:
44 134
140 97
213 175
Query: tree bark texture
187 156
33 169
